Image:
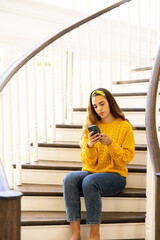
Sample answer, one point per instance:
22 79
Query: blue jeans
93 186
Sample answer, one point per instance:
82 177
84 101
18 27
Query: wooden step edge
134 94
57 191
72 126
142 147
146 80
59 218
123 109
72 166
139 69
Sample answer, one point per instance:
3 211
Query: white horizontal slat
134 180
115 204
107 231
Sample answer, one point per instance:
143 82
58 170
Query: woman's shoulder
125 124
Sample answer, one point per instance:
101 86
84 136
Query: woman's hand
93 139
104 139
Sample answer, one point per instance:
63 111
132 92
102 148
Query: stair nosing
131 81
67 165
138 147
38 190
123 109
107 218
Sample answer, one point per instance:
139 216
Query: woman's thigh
108 184
75 178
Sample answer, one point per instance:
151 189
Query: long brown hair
92 117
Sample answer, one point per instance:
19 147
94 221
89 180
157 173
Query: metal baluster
44 110
27 134
35 127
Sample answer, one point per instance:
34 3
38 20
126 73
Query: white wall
25 23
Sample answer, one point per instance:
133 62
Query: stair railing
10 208
152 127
27 89
30 96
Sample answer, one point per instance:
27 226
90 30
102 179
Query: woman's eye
102 104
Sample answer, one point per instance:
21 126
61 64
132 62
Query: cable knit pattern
112 158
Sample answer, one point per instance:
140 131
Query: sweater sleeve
88 155
123 154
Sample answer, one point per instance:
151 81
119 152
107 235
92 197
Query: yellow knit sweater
112 158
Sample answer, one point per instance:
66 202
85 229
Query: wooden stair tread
67 165
123 109
57 190
34 218
139 147
79 126
141 69
131 81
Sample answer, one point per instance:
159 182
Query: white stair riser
134 180
34 203
74 135
68 154
140 74
131 87
132 101
107 232
136 118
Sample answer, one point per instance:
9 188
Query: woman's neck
108 119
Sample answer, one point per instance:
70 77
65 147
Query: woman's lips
101 113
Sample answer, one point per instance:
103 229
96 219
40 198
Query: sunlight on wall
83 5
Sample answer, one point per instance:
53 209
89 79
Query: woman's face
101 106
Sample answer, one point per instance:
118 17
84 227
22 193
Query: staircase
43 210
77 56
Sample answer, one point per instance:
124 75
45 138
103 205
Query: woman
104 156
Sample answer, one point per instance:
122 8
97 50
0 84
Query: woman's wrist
109 142
88 145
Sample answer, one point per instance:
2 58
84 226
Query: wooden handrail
9 73
152 136
151 129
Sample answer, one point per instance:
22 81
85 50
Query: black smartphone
94 128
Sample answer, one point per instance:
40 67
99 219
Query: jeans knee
87 184
68 179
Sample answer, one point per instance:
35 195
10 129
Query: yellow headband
99 92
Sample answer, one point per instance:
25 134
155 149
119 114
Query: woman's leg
96 185
75 226
72 187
